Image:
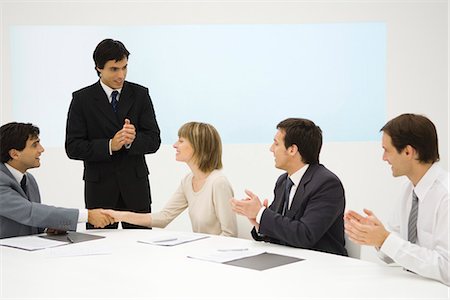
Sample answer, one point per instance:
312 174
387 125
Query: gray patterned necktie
412 222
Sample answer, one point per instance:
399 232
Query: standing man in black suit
309 199
111 125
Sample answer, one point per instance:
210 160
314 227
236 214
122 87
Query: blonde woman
205 191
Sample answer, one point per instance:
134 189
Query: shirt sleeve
428 262
175 206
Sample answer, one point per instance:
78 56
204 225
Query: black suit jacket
91 123
315 218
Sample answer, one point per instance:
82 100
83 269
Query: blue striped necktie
114 101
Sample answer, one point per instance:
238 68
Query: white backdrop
416 72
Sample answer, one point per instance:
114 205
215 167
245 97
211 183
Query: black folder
263 261
72 237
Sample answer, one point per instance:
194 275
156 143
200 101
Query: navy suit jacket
91 123
315 218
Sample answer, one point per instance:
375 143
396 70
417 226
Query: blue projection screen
243 79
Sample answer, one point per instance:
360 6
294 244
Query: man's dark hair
305 135
418 132
107 50
14 136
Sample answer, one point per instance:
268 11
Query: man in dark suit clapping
309 201
111 125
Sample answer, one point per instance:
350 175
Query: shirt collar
16 173
297 176
109 90
427 180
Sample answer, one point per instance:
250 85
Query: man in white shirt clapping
417 236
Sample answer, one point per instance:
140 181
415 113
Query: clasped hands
100 217
125 136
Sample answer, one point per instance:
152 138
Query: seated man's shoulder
326 173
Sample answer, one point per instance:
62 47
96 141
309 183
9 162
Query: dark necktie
114 101
23 184
412 222
287 191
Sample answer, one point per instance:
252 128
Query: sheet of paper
173 239
79 250
30 243
225 255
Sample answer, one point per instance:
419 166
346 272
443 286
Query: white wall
417 81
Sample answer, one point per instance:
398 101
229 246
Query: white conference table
135 270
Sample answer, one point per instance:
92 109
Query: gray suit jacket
22 214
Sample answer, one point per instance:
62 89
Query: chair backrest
353 250
244 228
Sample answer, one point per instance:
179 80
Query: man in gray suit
21 211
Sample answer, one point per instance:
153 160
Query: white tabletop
134 270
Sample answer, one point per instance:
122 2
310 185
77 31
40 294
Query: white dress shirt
429 256
83 213
296 178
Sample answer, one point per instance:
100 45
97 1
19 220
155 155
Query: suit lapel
126 100
279 195
5 170
299 196
103 105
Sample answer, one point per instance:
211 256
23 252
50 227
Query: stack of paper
225 255
30 243
173 239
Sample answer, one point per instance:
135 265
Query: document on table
79 250
250 259
72 237
263 261
173 239
30 242
225 255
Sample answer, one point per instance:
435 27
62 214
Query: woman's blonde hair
206 143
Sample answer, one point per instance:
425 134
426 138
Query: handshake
100 217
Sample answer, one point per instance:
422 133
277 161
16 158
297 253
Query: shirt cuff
127 146
259 215
392 245
83 216
110 150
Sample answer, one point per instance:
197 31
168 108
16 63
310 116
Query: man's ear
410 152
14 153
293 149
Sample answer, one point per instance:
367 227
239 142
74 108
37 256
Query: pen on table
167 240
236 249
70 239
